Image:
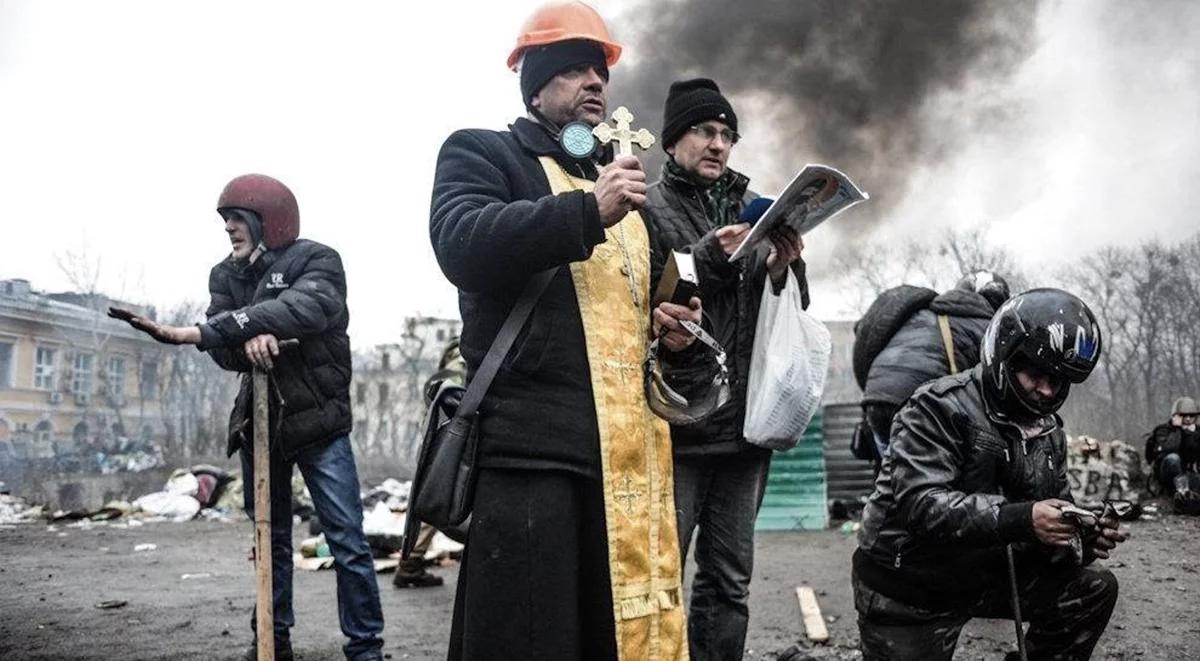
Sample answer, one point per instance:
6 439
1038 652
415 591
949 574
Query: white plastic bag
787 369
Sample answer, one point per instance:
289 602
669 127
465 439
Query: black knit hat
690 102
542 63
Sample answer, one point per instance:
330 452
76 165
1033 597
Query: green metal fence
795 497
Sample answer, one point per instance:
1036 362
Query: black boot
415 576
283 651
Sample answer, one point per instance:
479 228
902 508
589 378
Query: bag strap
948 341
482 379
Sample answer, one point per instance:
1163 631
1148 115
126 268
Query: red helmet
271 200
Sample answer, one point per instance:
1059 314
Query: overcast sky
121 121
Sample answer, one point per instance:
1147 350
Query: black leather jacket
959 483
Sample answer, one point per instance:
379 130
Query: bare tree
874 265
969 250
197 395
1145 298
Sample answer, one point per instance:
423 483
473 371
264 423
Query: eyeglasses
709 133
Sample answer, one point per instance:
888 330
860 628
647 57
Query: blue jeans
332 480
721 495
1170 466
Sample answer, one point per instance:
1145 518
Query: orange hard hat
564 21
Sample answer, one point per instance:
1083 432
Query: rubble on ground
14 509
210 493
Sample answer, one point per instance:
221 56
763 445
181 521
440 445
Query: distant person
1174 446
277 286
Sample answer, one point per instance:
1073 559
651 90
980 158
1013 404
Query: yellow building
71 378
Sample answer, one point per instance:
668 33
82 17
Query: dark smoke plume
852 83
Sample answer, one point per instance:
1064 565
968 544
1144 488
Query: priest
572 551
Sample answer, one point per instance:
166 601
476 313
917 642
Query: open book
816 194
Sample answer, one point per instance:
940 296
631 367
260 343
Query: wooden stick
265 611
1015 594
810 613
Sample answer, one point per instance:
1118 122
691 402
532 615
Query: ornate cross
623 135
627 495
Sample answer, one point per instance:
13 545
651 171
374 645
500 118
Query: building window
441 335
361 391
149 382
383 393
6 364
44 371
43 431
116 376
81 377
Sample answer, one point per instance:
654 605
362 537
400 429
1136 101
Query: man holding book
697 207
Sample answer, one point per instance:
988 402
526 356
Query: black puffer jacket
959 482
916 353
1167 438
493 225
676 220
296 292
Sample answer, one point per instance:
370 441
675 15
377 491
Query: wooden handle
265 611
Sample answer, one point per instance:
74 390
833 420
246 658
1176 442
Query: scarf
719 206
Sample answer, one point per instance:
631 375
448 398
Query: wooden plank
264 605
810 613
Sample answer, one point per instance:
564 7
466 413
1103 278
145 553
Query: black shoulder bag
443 488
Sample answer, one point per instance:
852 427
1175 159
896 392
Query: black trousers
1066 608
534 581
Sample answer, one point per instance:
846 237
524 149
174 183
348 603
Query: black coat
296 292
493 224
916 353
958 484
1167 439
731 293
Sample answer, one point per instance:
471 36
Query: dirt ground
191 596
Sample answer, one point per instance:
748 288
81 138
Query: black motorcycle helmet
1047 330
988 285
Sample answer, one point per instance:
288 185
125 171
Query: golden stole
635 445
